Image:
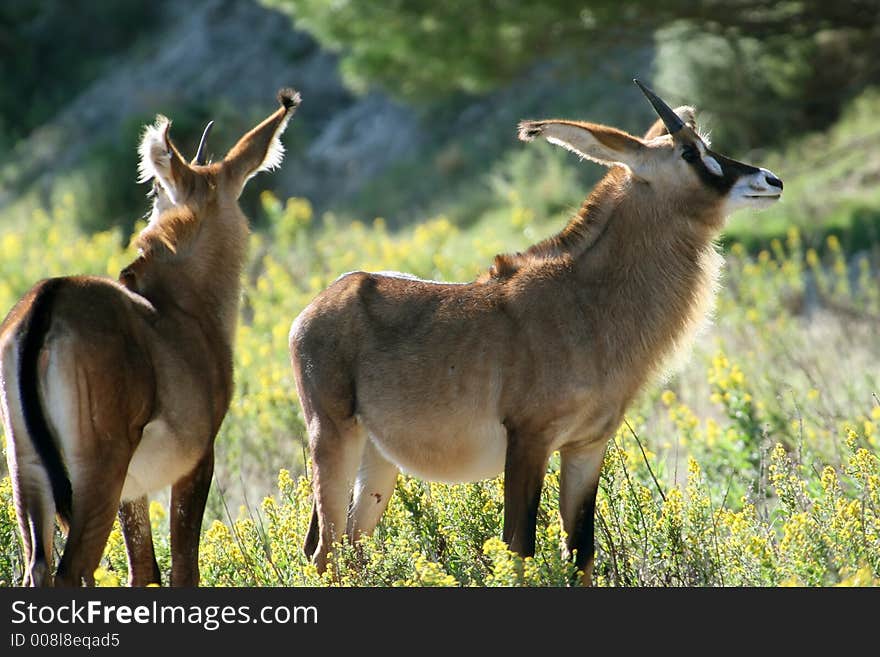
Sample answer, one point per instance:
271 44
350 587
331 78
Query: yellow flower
668 397
737 376
103 577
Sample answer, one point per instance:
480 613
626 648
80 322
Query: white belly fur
160 460
459 454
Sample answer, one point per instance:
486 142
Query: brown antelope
111 391
458 382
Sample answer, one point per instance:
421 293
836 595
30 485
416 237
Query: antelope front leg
134 517
524 468
578 485
188 498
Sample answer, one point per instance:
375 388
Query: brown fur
543 352
134 377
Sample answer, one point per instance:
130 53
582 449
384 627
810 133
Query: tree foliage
417 47
804 58
49 50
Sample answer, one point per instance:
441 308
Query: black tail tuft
39 319
289 98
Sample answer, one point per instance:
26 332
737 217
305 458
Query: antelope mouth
766 196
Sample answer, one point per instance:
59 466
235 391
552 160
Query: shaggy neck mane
581 232
172 232
181 266
642 261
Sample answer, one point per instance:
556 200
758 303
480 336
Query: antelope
457 382
112 390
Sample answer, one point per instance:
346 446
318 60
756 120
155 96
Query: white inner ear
155 156
275 152
581 142
712 165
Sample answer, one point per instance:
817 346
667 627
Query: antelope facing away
111 390
458 382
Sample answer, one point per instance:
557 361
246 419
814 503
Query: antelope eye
689 154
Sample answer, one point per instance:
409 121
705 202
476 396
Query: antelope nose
773 181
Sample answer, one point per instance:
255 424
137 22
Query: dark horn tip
289 98
641 86
670 119
201 152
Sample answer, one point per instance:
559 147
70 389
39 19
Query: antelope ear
599 143
686 113
261 148
160 160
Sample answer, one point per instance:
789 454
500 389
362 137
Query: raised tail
37 326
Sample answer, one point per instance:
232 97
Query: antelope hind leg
134 518
578 485
90 526
311 542
36 521
336 455
188 498
31 490
373 489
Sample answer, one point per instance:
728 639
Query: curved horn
200 154
670 119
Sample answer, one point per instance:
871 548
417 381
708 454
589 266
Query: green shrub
756 464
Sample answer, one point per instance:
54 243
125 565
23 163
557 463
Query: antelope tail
45 443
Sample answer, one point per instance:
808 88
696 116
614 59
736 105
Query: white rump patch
155 156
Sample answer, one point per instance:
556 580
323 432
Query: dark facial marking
731 170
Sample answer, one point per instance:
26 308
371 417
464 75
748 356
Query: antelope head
198 184
195 204
673 158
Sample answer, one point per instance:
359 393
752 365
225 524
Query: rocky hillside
365 154
237 53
